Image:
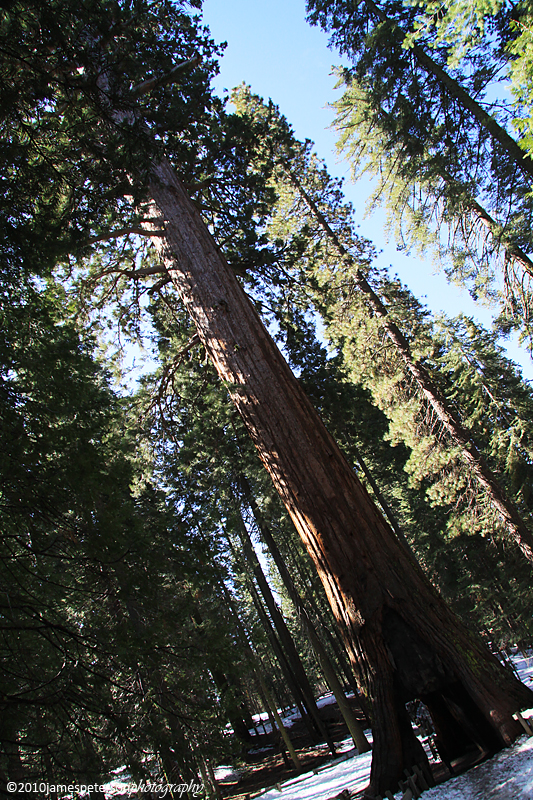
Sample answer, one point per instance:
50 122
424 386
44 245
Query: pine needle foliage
432 125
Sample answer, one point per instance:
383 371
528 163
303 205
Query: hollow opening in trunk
461 728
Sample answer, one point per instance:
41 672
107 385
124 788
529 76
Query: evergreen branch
485 120
469 206
197 187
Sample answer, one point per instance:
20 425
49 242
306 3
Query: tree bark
272 710
328 670
256 665
402 639
283 634
314 599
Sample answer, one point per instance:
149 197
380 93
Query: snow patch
507 776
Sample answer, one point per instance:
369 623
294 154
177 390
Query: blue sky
273 48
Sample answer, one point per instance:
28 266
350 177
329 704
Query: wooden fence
416 782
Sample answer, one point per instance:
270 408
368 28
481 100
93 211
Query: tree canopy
136 208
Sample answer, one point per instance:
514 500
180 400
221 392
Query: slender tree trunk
339 651
272 710
328 670
323 615
208 786
257 666
280 656
212 780
284 635
402 639
387 510
254 658
315 599
290 677
237 713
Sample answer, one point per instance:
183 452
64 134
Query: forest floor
507 776
265 764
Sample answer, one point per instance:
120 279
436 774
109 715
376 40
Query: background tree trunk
328 670
283 644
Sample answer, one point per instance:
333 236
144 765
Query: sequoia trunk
402 640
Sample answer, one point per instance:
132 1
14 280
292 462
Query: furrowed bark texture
402 640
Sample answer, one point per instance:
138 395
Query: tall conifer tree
432 133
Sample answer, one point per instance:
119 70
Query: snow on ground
507 776
523 663
349 774
292 715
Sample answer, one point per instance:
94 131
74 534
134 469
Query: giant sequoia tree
98 104
377 592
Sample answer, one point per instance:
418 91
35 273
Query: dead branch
154 83
168 373
159 285
145 271
117 234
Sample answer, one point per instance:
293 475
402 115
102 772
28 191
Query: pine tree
95 574
311 205
444 160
